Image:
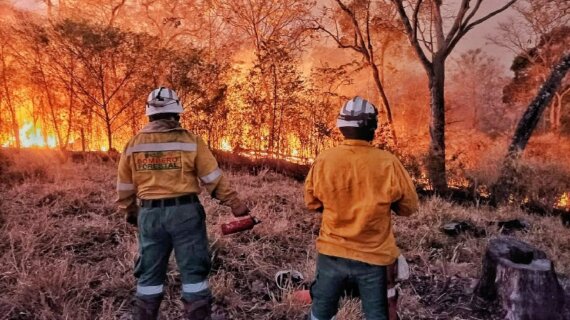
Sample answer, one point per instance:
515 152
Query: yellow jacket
166 161
356 186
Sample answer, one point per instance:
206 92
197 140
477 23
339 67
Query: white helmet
163 100
358 113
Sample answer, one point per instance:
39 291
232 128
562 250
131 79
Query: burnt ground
67 254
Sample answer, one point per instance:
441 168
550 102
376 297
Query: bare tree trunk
44 119
383 61
532 115
15 126
385 102
115 12
279 127
436 163
54 119
440 47
363 45
209 128
90 126
69 111
108 124
49 7
274 113
83 145
526 127
475 106
109 135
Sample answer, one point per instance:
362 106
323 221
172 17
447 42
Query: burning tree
538 35
475 91
531 69
361 26
526 127
201 85
110 64
324 98
271 91
423 23
8 68
276 31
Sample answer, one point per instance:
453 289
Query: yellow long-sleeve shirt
166 161
356 186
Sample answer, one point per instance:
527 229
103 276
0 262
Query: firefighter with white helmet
356 186
162 166
163 100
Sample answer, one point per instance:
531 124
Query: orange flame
564 200
31 137
225 145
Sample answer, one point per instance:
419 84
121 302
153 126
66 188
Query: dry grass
65 253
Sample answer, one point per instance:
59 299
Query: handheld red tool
239 225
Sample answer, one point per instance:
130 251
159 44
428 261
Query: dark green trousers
182 229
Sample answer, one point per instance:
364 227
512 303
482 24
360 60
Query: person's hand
132 218
240 210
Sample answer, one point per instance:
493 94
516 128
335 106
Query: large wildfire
69 83
472 97
34 136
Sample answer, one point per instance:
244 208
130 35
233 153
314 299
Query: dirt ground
66 253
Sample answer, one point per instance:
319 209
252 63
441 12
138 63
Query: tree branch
115 11
427 43
468 26
412 32
438 22
360 37
337 39
459 20
490 15
473 12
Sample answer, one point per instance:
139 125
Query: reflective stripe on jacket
165 161
356 185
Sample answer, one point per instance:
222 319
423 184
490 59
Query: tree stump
523 279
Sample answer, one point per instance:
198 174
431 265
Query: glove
132 218
240 210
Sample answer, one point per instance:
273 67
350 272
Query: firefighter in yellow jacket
162 166
356 186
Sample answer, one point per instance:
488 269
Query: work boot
147 308
198 309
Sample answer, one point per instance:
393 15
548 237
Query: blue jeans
332 278
162 229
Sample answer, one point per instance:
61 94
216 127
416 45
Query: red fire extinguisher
239 225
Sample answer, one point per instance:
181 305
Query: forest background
266 78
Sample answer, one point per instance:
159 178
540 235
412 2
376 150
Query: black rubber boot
198 309
147 308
